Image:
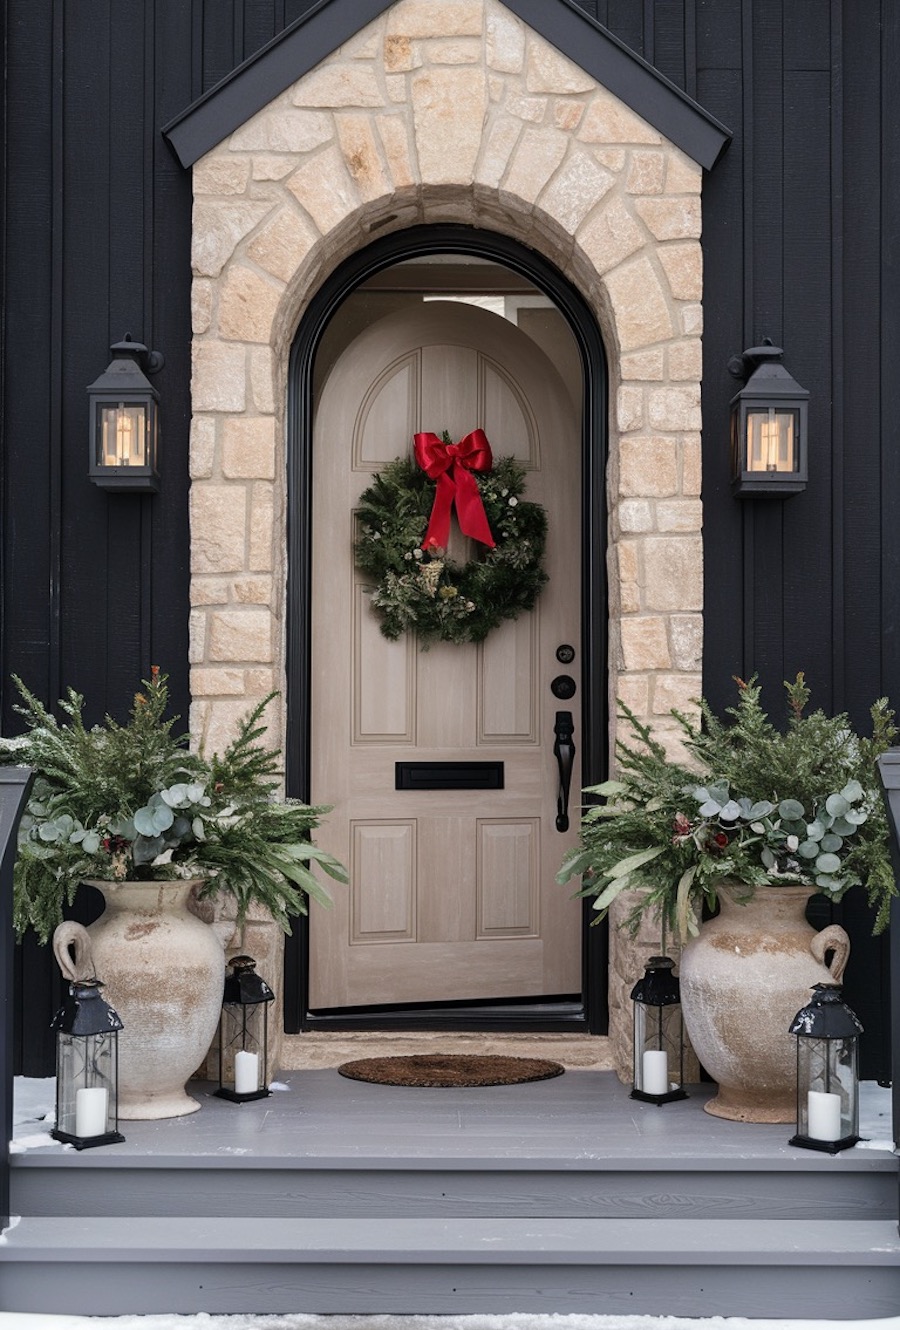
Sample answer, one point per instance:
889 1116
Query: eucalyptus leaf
829 883
709 809
791 810
831 843
827 863
856 817
852 791
762 809
837 805
767 857
91 842
145 849
731 811
815 830
808 849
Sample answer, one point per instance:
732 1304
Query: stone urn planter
164 971
742 981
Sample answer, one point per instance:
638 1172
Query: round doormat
450 1070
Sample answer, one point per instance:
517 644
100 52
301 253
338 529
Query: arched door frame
384 253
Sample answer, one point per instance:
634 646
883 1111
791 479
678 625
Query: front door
452 894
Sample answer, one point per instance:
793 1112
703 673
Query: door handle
564 752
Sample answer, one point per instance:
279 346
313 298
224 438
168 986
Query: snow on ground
520 1321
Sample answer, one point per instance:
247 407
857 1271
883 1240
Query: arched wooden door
452 893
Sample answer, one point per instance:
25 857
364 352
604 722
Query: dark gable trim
319 32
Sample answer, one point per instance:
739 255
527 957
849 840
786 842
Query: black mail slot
448 775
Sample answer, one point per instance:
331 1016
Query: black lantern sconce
124 420
827 1072
658 1034
244 1033
87 1068
769 419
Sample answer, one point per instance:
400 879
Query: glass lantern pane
827 1086
122 429
243 1050
771 440
658 1045
86 1078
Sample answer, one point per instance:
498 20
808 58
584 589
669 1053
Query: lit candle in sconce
91 1107
824 1115
246 1072
655 1072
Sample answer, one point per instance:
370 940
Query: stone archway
454 112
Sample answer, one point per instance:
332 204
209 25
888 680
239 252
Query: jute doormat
450 1069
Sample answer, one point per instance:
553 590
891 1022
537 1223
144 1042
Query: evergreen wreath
421 590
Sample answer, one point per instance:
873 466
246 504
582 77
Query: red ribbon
451 466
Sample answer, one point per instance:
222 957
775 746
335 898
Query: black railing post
15 782
889 768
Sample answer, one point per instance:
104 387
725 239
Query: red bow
451 465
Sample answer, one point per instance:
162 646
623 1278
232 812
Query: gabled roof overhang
330 23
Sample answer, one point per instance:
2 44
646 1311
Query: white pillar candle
90 1111
246 1072
824 1116
655 1072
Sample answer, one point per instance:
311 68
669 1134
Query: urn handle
834 939
70 937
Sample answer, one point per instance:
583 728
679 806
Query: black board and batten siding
799 244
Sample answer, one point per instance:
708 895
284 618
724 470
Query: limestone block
218 229
272 166
240 635
248 448
253 589
628 576
394 133
212 682
496 87
644 644
337 84
641 309
634 516
400 55
201 306
360 148
676 692
247 305
261 529
683 266
611 235
671 218
634 691
322 185
208 590
646 365
686 359
221 724
629 408
505 40
449 107
258 682
462 51
364 46
283 243
218 381
648 466
449 18
566 114
614 158
526 108
202 447
673 572
646 172
682 175
679 515
692 320
691 465
283 130
537 156
578 186
607 120
196 636
215 174
548 70
675 408
218 528
396 87
686 639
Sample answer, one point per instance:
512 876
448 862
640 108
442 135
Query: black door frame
591 1015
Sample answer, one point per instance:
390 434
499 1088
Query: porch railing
889 766
15 782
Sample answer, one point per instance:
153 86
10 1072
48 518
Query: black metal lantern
87 1068
244 1033
658 1034
124 420
768 426
827 1072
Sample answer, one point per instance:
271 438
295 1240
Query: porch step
695 1267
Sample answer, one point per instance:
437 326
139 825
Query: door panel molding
591 1014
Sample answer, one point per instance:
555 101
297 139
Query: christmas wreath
403 531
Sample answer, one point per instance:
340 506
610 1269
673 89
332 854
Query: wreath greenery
425 592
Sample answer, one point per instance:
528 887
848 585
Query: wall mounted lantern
658 1034
87 1068
124 423
768 426
827 1034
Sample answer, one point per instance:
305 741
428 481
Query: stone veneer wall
444 111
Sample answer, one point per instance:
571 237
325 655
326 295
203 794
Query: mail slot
448 775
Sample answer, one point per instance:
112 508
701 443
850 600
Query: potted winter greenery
761 819
129 809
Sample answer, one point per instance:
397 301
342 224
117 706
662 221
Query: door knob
564 752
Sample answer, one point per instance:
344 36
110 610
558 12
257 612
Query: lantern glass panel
827 1088
243 1031
657 1031
86 1081
122 434
772 440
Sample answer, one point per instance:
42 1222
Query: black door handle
564 752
